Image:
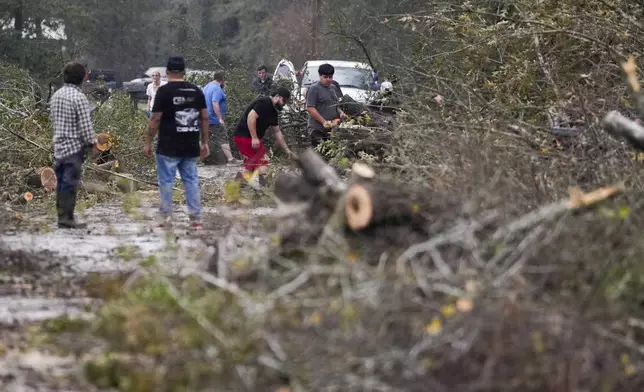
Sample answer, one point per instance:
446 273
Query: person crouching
258 117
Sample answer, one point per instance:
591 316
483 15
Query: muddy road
45 272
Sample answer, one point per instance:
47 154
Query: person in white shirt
152 90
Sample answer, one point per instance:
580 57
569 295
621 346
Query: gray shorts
219 134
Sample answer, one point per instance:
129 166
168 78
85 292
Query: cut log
108 143
361 172
359 207
43 177
369 204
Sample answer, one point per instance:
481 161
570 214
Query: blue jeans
166 173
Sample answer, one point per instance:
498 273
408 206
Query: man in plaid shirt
73 134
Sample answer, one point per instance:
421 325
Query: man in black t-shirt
258 117
180 115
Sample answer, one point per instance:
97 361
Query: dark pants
318 136
68 173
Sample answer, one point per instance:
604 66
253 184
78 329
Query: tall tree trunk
182 36
18 20
18 28
38 22
206 19
315 16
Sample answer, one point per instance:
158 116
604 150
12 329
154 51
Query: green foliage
146 325
21 113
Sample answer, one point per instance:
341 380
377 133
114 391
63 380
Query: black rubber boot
66 202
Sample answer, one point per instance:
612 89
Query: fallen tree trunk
318 198
380 215
107 173
42 177
96 188
102 175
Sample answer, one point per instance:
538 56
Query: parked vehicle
101 82
137 87
285 74
103 78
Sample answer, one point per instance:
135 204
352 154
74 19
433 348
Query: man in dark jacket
263 83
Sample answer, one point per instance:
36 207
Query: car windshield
346 76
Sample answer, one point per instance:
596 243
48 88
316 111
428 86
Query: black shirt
267 116
180 104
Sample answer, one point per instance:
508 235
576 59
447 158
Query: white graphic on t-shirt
187 120
178 100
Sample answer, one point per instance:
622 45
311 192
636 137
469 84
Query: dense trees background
130 36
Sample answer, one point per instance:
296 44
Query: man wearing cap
322 104
258 117
73 135
180 116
